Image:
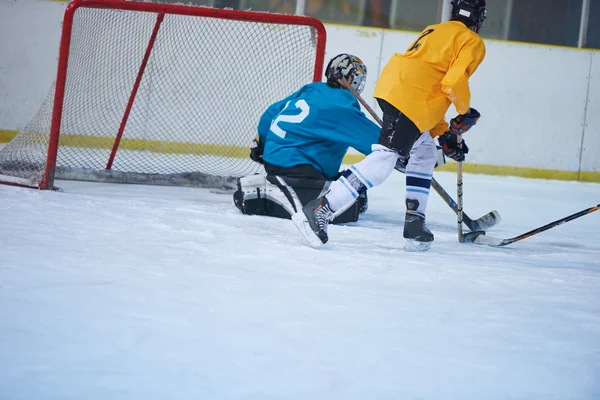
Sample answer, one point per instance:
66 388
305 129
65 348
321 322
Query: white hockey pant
378 166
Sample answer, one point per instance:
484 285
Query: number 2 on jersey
416 44
295 119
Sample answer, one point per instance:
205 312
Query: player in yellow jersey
414 91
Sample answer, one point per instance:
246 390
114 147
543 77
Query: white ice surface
137 292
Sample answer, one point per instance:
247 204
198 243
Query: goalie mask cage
161 94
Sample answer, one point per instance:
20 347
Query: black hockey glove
450 146
256 150
462 123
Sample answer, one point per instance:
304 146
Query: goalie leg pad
262 195
281 197
249 197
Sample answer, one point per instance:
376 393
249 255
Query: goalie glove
450 146
257 148
462 123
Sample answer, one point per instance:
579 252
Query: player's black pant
398 132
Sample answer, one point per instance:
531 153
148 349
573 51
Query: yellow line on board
507 171
514 171
6 135
203 149
589 176
156 146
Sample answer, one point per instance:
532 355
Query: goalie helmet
472 13
348 66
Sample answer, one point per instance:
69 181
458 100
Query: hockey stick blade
485 240
496 242
484 223
470 237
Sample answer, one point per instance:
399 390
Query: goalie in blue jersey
302 140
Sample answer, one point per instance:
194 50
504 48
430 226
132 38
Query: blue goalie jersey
315 125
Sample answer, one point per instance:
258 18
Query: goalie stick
481 239
488 221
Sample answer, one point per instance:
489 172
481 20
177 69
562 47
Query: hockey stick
459 192
481 239
481 224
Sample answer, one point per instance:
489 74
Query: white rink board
29 40
531 97
590 160
532 100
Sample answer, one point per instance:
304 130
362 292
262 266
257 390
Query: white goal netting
200 96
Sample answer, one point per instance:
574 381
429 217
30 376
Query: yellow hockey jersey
433 73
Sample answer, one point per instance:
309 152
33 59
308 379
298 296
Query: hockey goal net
161 94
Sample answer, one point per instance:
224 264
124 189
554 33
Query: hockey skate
417 236
313 220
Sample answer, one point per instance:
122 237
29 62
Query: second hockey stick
481 224
482 239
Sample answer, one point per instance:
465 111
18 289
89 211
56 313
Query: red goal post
161 93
